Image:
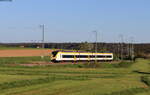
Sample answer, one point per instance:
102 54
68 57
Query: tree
86 46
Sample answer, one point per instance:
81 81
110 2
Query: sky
75 20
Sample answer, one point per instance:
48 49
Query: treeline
124 50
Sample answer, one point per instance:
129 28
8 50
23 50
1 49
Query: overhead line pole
95 45
95 41
122 47
43 35
132 49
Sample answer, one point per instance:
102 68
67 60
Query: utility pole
118 51
132 49
43 35
95 41
95 45
122 47
129 49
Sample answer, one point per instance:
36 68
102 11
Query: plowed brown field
25 52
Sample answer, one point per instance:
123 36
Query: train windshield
54 53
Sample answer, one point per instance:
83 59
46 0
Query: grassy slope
9 78
141 65
89 87
96 81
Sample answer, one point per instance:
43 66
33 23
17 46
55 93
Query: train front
53 56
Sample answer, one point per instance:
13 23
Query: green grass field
20 60
14 48
73 79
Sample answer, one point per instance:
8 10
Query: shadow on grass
140 72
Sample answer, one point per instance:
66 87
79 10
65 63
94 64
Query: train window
101 56
108 56
68 56
104 56
92 56
86 56
98 56
81 56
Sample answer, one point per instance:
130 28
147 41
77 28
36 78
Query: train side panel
63 56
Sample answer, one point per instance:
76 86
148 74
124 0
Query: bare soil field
25 52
